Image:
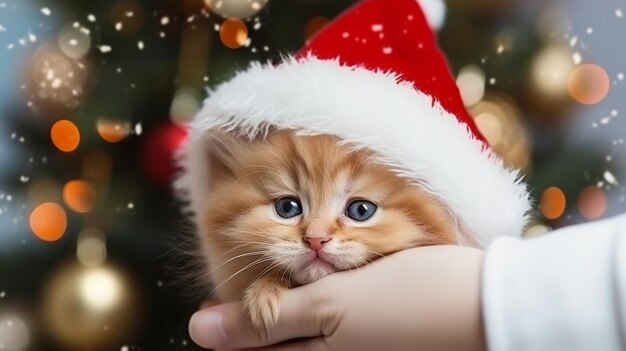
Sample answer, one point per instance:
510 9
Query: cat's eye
361 210
288 207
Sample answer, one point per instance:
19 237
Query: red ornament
158 151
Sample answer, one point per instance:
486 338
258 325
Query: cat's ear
224 152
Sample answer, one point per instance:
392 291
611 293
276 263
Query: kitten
290 209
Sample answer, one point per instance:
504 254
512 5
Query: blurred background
93 95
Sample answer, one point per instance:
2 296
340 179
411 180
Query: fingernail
206 328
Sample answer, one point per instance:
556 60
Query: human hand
423 298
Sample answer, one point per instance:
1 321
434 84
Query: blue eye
288 207
361 210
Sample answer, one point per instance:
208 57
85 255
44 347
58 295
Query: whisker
245 254
173 249
250 265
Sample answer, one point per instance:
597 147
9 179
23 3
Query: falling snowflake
91 18
589 30
46 11
165 20
138 129
577 58
104 48
619 13
610 178
32 37
118 26
573 40
387 50
2 29
140 45
620 76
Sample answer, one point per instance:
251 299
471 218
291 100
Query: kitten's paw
261 302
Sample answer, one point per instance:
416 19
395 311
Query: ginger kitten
290 209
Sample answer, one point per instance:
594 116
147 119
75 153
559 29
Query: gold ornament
90 307
235 8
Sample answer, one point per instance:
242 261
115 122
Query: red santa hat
375 78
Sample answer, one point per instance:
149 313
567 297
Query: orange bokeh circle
113 131
48 221
592 202
79 195
588 84
552 203
65 135
233 33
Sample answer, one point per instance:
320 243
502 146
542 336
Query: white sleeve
562 291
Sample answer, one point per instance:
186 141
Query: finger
303 312
314 344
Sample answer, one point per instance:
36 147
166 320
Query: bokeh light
56 77
48 221
551 69
552 203
185 105
86 307
471 83
79 195
74 41
233 33
112 130
91 249
588 84
65 135
592 202
14 333
499 120
100 289
235 8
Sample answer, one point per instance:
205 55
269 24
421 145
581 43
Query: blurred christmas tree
88 227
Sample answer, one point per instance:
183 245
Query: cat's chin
312 271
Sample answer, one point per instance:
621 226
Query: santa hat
375 78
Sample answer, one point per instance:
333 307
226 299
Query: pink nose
316 244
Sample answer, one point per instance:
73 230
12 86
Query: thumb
306 311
